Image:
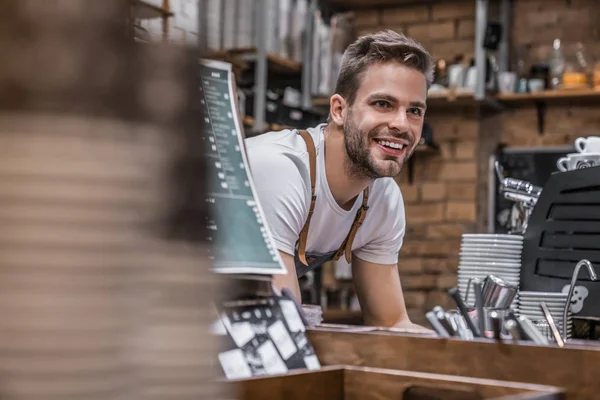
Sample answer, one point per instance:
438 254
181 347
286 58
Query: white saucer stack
529 306
489 254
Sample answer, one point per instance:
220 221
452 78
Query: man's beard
360 162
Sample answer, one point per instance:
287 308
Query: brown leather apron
305 262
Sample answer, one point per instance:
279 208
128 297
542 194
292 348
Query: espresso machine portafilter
523 193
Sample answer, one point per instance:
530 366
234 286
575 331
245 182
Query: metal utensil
452 320
479 304
521 332
552 325
513 329
497 293
463 331
593 277
463 310
495 324
544 329
531 331
489 316
470 282
436 325
442 316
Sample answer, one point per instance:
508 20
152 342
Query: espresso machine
560 225
524 195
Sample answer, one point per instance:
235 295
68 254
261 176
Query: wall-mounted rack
541 100
143 10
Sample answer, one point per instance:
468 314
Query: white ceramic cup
578 161
590 144
536 85
471 78
507 82
456 75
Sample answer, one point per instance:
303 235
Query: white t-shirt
280 165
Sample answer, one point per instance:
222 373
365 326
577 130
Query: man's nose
399 121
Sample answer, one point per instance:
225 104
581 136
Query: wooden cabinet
573 367
361 383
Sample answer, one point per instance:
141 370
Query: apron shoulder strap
346 247
312 158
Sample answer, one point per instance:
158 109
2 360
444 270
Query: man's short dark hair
379 48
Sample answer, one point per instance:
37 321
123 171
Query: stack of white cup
587 156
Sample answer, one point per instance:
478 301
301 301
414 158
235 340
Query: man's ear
337 109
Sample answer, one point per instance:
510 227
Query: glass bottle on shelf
520 67
557 64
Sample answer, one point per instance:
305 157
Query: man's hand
290 280
407 324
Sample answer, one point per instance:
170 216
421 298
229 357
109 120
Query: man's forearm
284 281
290 280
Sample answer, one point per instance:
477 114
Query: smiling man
329 191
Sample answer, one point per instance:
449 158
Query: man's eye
416 111
382 104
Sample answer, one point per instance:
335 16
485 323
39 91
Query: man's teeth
391 145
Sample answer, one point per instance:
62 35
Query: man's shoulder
277 139
284 149
387 191
283 141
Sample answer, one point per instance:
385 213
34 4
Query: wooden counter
357 383
573 367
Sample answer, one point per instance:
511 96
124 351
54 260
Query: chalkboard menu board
240 238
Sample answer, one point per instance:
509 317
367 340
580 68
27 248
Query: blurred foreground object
104 290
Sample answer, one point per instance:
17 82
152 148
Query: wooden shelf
223 55
245 56
450 99
541 100
435 101
276 62
145 10
459 97
284 63
320 102
551 95
278 127
249 122
361 4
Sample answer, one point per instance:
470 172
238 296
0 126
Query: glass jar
596 75
575 75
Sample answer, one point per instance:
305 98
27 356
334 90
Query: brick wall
444 29
440 206
448 196
536 23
